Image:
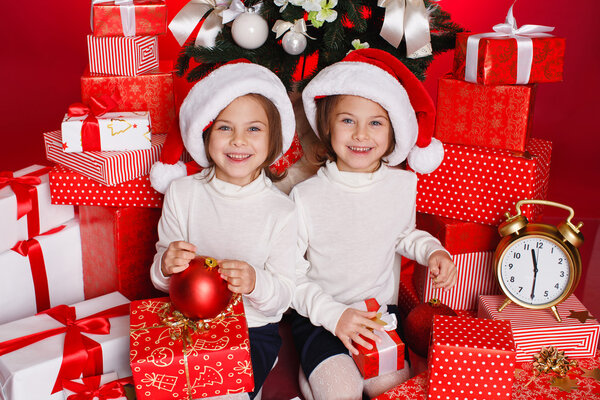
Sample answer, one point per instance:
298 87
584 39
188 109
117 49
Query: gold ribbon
408 19
551 360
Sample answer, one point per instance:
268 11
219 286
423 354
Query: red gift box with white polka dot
577 334
216 363
480 184
70 187
470 359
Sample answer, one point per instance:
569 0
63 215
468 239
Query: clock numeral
556 286
562 274
539 245
510 266
520 288
545 293
552 250
517 255
560 260
525 246
512 278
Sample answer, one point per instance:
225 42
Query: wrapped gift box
70 187
455 235
580 383
94 387
384 357
118 247
407 294
216 363
470 359
479 184
41 217
152 91
142 18
534 329
490 116
31 367
496 59
118 55
117 131
40 273
107 167
476 275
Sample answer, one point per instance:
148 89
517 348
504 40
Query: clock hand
535 271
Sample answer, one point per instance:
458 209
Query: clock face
535 270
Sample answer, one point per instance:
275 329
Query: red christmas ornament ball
199 292
418 324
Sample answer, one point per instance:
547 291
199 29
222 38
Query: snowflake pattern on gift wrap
160 381
243 367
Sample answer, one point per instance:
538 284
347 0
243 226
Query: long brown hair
275 137
324 115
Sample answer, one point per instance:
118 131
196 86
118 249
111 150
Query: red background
44 53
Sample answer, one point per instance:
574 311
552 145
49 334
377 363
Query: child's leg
331 372
265 343
381 384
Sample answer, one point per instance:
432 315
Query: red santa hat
378 76
205 101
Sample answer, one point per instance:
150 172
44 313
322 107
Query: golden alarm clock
538 265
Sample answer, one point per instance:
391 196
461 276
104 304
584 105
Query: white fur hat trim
218 89
425 160
162 174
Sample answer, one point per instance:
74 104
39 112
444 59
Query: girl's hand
352 324
240 276
177 257
442 270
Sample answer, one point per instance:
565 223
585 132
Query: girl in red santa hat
235 123
357 213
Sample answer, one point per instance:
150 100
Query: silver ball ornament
249 30
293 43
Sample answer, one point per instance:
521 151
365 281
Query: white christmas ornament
249 30
293 43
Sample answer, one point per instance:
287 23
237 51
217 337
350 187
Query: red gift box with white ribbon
121 55
470 359
476 275
577 334
64 343
70 187
384 357
165 365
480 184
134 18
152 91
41 272
490 116
25 207
107 167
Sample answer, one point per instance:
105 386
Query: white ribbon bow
508 30
409 19
191 14
236 8
299 26
127 15
389 319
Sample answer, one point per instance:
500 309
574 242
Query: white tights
337 378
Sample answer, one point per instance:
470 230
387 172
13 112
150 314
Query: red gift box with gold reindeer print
171 360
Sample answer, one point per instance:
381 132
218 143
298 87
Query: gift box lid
473 333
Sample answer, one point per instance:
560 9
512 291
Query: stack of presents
79 316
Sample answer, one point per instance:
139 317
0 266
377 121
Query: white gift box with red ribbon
28 212
41 272
534 329
37 353
105 387
384 357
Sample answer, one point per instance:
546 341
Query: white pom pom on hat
202 105
379 76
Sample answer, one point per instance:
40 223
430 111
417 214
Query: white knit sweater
255 223
350 227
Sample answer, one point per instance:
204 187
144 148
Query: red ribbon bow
26 193
31 248
81 355
90 131
90 388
